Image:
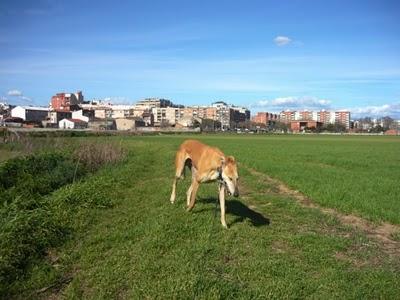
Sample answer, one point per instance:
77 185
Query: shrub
37 175
94 155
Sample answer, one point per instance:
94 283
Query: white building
107 110
72 124
4 106
56 116
78 115
121 111
30 113
150 103
223 113
167 115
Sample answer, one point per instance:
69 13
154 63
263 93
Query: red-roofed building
297 126
72 124
265 118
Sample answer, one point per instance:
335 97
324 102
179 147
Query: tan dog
207 164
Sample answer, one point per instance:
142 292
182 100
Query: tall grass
94 155
33 217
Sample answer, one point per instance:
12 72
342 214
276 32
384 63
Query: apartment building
121 111
203 112
109 111
265 118
240 114
324 117
163 111
166 115
343 117
149 103
101 110
305 115
223 114
228 115
287 116
66 101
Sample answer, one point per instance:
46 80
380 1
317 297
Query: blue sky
267 55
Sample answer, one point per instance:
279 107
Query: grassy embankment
43 201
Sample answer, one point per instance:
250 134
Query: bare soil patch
383 232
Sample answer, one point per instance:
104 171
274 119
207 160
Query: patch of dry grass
93 154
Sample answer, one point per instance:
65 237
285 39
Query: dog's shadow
237 208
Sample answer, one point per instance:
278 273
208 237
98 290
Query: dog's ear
230 159
223 160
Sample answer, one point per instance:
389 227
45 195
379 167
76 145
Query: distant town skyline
265 55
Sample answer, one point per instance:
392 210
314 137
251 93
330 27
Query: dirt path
383 232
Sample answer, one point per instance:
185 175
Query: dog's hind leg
179 168
189 191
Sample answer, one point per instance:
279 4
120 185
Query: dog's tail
181 161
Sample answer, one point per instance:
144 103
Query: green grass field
355 174
144 247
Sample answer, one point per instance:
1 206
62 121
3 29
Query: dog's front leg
189 195
222 204
173 193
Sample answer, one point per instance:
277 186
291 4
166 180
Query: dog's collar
220 174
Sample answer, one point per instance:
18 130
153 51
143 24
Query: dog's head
230 175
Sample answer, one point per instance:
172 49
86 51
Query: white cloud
392 109
16 97
282 40
305 102
261 103
15 93
118 100
26 98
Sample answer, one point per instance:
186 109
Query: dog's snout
236 193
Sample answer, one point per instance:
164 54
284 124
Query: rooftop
34 108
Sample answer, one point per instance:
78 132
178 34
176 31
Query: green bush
37 175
